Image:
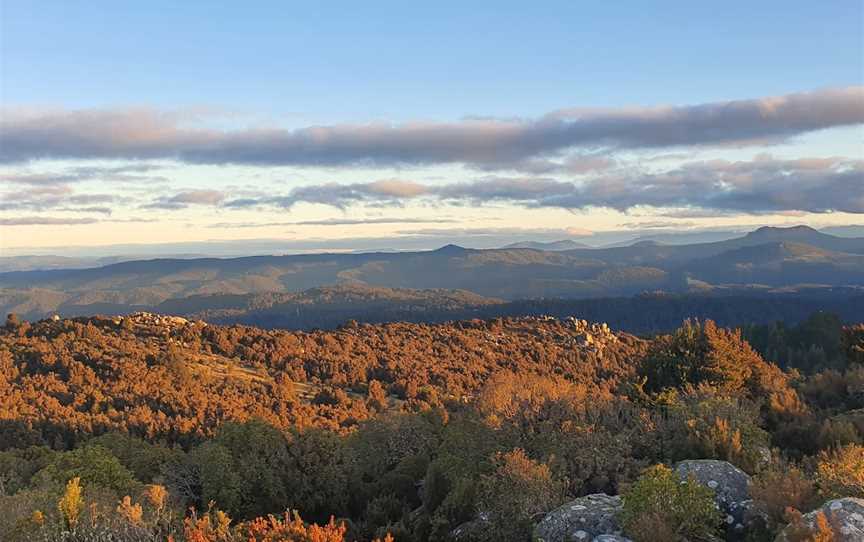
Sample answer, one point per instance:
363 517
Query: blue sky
287 66
402 60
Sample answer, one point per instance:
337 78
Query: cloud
125 173
185 199
233 225
334 222
379 220
761 185
52 197
142 134
93 209
46 221
65 221
389 191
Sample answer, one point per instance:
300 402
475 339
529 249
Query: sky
350 125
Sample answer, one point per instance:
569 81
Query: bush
707 426
517 489
781 487
658 507
840 472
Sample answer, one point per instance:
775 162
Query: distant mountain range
765 260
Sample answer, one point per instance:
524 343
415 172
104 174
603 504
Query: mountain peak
646 243
774 231
450 249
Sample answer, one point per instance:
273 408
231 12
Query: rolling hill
765 259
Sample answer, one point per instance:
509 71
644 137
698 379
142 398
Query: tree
700 353
246 469
853 343
94 465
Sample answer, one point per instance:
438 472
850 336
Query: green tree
94 465
246 469
699 353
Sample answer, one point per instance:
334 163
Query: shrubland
151 429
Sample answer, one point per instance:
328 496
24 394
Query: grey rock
846 517
471 530
731 487
582 520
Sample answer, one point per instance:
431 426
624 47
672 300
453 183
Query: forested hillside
472 430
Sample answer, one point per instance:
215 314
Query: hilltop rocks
151 319
592 335
845 516
731 487
592 518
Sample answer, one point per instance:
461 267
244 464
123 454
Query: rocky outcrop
151 319
593 518
591 335
731 487
845 516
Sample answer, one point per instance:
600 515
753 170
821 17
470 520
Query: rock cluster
151 319
591 335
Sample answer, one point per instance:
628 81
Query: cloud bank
134 134
762 185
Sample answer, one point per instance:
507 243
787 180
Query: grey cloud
125 173
232 225
48 197
63 221
99 210
334 222
46 221
138 134
758 186
185 199
575 164
380 220
390 191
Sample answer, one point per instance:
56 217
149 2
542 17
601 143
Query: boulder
731 487
471 530
585 519
846 517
